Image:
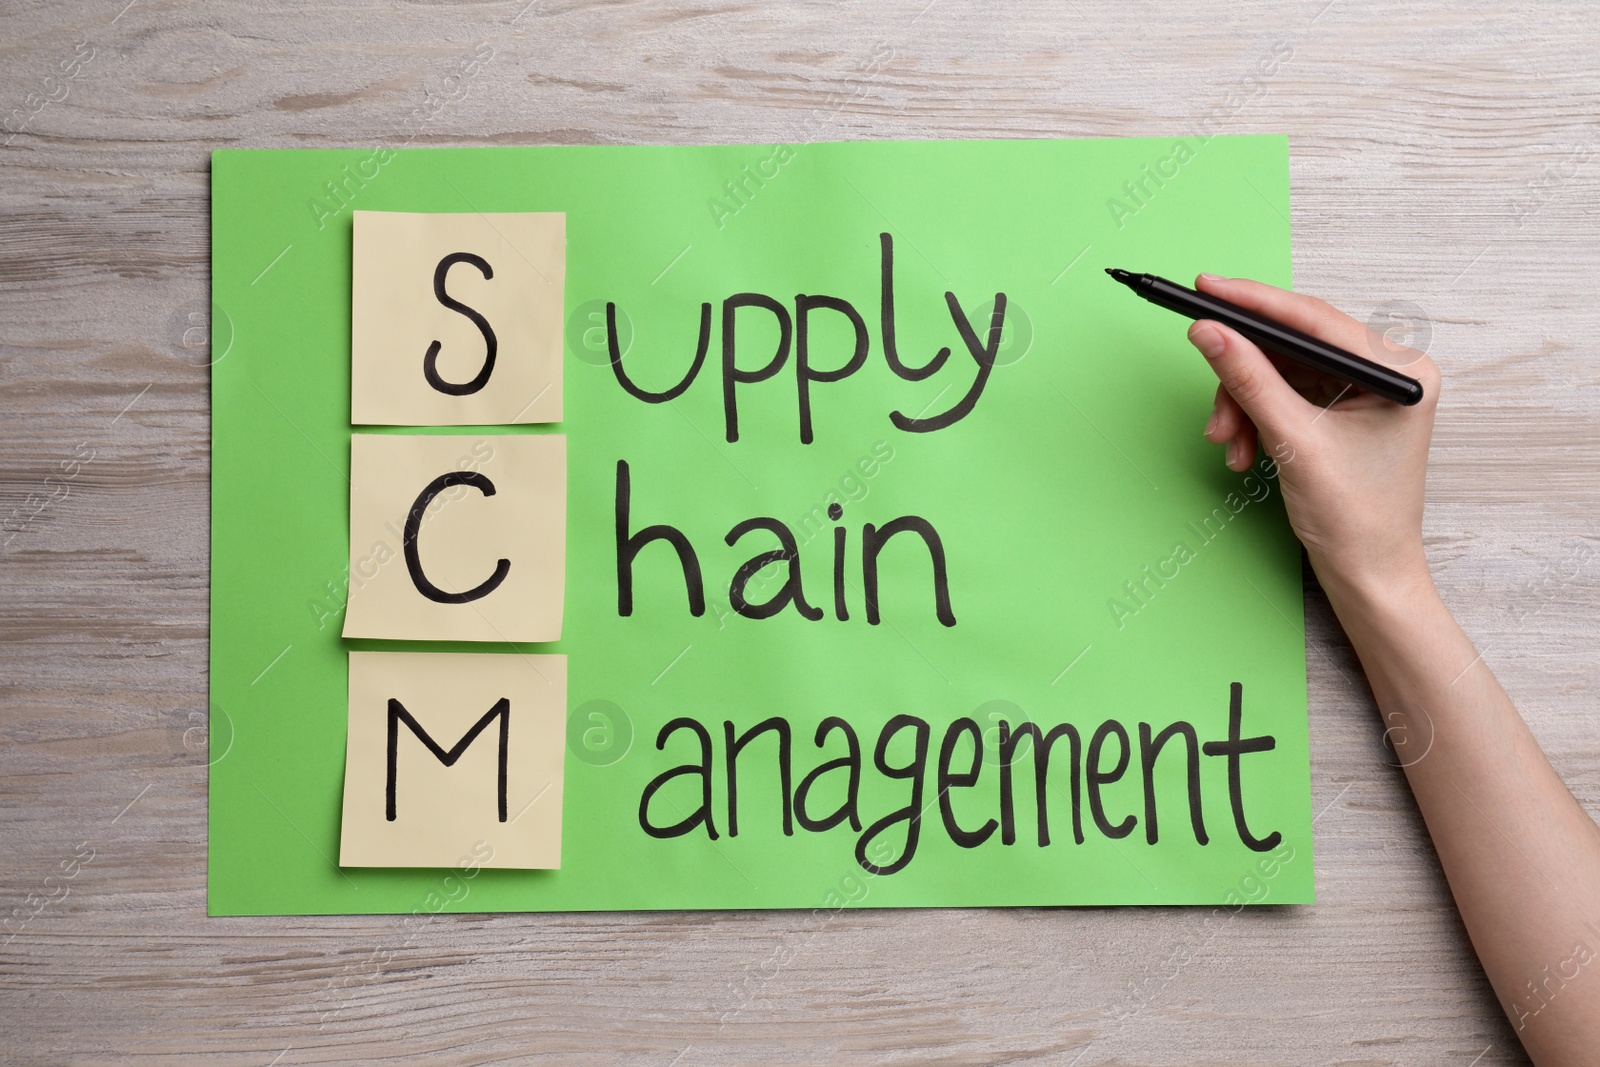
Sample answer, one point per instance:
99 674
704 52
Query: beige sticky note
457 537
454 756
482 293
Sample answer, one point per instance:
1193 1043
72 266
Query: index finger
1313 316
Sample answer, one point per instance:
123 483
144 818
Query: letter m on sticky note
452 755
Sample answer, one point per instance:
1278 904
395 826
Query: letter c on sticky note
414 527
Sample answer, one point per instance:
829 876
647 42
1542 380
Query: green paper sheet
1103 565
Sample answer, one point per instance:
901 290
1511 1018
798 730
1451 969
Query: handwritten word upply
794 336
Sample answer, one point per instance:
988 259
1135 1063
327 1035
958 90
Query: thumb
1249 377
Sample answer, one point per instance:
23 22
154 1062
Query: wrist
1400 585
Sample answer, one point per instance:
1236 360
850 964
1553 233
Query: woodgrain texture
1445 153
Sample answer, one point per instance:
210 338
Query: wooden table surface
1445 157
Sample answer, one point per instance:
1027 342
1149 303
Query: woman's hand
1522 856
1351 464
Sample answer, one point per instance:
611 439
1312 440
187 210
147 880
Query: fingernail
1207 338
1213 277
1211 424
1233 455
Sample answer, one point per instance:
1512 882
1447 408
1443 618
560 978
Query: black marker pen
1276 338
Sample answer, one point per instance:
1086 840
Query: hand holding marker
1521 854
1276 338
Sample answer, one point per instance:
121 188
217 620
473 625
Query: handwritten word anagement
902 753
